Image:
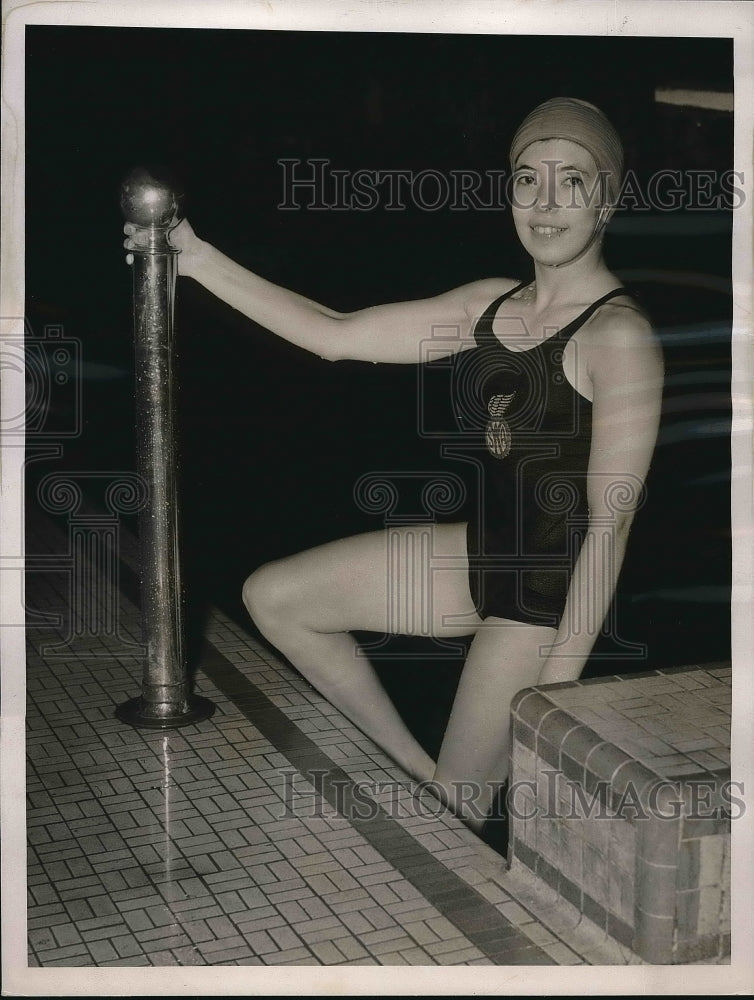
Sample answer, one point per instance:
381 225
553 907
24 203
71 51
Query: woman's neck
581 279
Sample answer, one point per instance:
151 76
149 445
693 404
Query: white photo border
669 18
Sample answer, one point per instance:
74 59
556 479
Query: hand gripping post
165 702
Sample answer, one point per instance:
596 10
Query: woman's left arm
624 361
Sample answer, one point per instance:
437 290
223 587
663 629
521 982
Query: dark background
273 439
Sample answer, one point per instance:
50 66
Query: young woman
570 378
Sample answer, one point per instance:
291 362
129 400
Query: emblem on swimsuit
498 433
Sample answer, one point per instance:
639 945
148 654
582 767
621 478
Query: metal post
165 702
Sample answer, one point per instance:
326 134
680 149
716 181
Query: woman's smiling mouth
548 230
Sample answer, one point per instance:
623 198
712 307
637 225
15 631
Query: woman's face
556 198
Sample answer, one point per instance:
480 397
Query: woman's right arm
396 332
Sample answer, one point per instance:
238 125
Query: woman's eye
574 182
524 179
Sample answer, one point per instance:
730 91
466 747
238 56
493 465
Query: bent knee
269 593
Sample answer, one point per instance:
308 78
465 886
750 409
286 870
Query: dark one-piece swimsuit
532 455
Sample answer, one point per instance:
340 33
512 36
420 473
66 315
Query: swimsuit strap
483 328
568 331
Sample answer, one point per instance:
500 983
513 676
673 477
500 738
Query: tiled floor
272 834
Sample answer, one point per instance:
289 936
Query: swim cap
579 122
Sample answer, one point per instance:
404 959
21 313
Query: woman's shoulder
482 293
618 330
622 316
618 313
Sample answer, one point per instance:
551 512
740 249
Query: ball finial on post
148 202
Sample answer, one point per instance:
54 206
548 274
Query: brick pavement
225 842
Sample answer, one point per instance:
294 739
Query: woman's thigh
504 657
409 579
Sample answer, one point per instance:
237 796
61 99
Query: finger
129 228
129 258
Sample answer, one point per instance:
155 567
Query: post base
132 712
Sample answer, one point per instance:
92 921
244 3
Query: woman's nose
545 196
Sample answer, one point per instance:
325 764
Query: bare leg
412 580
407 580
504 658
